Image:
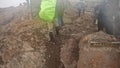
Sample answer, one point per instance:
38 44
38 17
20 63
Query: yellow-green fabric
47 11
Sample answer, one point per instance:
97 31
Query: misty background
9 3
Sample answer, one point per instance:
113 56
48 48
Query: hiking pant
51 26
55 26
109 27
100 24
79 12
60 21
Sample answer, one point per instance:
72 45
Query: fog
8 3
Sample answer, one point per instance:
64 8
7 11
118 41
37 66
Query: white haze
9 3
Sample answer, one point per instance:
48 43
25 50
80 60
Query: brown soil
24 43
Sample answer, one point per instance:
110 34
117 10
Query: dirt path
24 43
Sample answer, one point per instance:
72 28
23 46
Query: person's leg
51 31
83 10
62 23
60 20
58 24
109 28
79 12
100 25
94 19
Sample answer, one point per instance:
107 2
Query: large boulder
93 54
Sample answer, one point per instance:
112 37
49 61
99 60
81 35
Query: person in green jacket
52 11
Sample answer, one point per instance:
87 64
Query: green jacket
48 8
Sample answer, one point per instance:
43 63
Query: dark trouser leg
51 31
51 36
79 13
100 25
109 28
60 23
94 20
83 11
60 20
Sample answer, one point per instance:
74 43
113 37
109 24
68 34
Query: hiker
81 7
50 11
107 18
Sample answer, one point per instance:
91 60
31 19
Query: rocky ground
24 43
100 55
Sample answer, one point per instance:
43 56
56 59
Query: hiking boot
52 38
